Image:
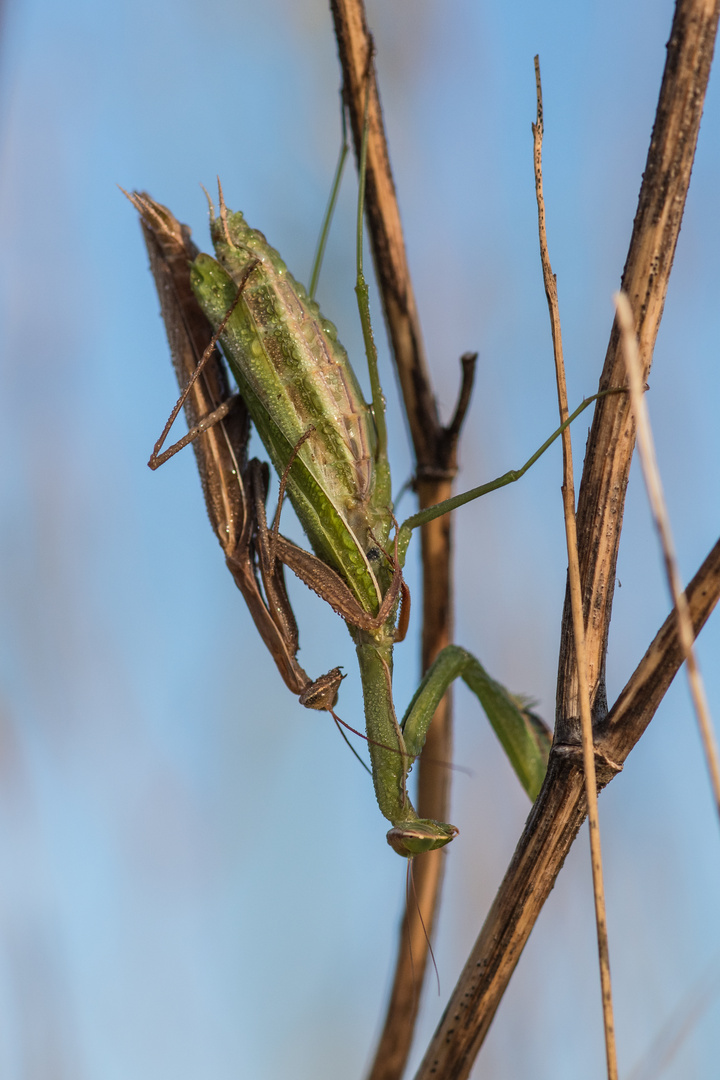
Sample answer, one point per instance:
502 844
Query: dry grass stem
651 475
568 493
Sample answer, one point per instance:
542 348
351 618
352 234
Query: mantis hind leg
523 735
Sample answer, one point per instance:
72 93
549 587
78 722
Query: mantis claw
323 692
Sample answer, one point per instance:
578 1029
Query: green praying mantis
329 449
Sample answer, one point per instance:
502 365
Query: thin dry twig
651 474
568 492
385 228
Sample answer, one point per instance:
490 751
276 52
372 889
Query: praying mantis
329 449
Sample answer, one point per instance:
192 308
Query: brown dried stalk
435 448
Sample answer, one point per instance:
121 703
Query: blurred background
194 879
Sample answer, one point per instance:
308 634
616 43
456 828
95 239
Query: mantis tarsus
330 449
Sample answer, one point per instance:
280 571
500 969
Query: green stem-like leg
524 737
393 747
432 512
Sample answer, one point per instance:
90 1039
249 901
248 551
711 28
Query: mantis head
415 837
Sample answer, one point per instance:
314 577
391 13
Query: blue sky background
194 880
